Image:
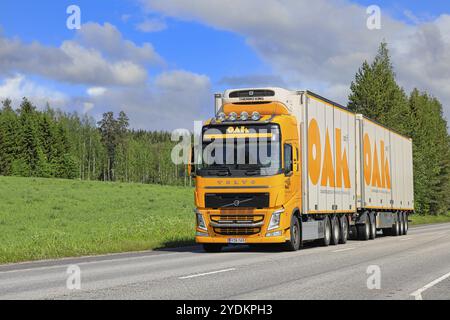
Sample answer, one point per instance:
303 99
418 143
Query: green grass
421 219
49 218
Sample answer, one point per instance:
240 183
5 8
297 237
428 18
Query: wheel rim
345 230
327 231
336 230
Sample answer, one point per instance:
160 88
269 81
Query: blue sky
210 55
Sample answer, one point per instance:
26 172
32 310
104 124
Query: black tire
335 231
343 221
373 227
401 218
395 230
364 230
212 247
294 243
406 223
325 241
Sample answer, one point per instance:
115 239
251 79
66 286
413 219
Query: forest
39 141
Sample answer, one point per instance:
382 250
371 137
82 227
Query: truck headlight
200 221
275 219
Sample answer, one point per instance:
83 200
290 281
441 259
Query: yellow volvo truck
281 166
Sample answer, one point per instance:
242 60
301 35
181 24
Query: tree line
376 94
52 143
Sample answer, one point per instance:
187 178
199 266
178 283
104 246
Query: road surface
416 266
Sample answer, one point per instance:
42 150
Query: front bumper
248 240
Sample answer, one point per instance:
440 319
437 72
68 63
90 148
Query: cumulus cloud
97 56
96 91
320 44
18 87
174 99
107 39
253 80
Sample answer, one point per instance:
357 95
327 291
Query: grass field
48 218
418 219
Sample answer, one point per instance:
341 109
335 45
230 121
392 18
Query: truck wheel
294 243
343 221
401 219
326 232
364 230
406 223
373 227
212 247
335 231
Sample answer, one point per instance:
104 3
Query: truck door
291 169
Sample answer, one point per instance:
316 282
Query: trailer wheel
343 221
212 247
326 232
401 219
373 226
406 223
364 230
395 230
294 243
335 231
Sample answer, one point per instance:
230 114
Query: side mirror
288 172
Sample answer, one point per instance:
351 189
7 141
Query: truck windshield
240 150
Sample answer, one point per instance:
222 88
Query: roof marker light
244 116
221 117
233 116
256 116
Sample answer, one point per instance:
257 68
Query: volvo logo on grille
236 203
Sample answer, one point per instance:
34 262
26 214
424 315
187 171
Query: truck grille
237 218
237 231
237 224
236 200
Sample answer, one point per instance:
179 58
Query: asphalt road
410 267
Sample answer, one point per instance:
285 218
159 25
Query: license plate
236 240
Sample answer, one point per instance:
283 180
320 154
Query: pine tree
375 93
8 137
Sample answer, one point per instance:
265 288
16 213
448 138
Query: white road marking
404 239
418 293
206 273
346 249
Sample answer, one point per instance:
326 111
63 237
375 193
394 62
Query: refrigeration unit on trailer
280 166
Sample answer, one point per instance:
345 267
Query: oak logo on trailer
376 168
320 166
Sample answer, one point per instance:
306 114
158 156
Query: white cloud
97 56
96 91
151 25
107 39
174 99
18 87
87 106
320 44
